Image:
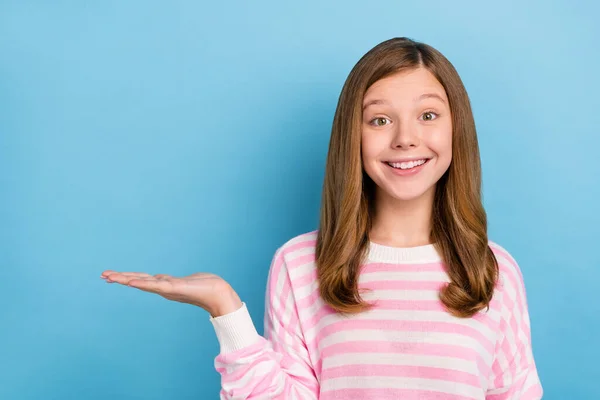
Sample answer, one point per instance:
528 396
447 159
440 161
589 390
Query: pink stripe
414 348
301 245
319 367
257 385
405 305
387 267
483 317
512 272
511 280
265 383
533 393
407 371
283 297
507 351
301 260
293 367
307 302
238 374
388 394
429 305
423 326
496 368
305 279
276 269
504 253
410 326
403 285
229 358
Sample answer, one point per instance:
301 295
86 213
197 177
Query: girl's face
406 122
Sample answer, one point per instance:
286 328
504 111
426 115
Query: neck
400 223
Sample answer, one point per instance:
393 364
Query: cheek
369 153
442 144
368 149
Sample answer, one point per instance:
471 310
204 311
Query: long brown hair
459 228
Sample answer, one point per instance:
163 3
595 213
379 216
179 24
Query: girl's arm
276 366
514 374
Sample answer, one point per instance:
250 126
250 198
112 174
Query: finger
152 285
124 279
109 272
113 276
162 276
137 274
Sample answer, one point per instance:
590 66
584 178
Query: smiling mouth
408 165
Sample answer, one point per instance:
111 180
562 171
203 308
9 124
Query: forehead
406 85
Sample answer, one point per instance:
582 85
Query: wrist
230 303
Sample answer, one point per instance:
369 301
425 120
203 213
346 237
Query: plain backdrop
184 136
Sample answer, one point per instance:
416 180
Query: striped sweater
406 347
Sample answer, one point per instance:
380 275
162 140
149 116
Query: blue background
184 136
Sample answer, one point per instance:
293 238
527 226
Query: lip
407 172
407 159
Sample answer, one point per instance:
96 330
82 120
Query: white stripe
288 308
300 238
437 277
379 359
260 369
401 294
373 382
399 315
292 255
407 337
416 276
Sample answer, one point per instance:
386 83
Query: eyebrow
421 97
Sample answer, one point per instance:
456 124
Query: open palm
205 290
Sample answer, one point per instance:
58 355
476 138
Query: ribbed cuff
235 330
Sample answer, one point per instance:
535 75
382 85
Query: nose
405 136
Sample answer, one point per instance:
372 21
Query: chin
408 195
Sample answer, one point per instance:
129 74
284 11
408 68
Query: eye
378 119
430 114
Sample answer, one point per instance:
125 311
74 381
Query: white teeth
407 165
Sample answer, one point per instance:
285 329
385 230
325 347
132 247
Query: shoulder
304 240
298 250
510 277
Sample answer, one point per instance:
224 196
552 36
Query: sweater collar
398 255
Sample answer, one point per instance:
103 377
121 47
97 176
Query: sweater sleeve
276 366
514 374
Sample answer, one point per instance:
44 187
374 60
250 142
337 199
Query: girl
399 294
